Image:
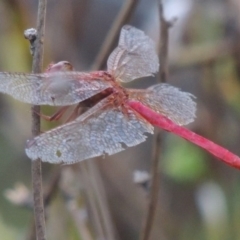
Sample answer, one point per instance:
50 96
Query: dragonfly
118 117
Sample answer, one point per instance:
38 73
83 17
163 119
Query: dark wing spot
58 153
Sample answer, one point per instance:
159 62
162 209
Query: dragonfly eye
60 67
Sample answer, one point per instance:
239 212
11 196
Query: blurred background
199 196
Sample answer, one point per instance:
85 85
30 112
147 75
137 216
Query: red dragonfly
119 117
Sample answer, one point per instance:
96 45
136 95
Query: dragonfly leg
56 116
74 114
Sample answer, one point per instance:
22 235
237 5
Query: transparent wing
135 56
169 101
102 129
53 88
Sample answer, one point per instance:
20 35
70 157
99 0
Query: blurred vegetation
199 196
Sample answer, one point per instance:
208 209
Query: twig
90 193
122 18
48 196
154 190
37 52
52 186
163 49
73 201
100 196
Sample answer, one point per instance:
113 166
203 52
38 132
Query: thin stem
91 198
52 186
154 190
36 165
164 39
122 18
101 200
48 196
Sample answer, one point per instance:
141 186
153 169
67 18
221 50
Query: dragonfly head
61 66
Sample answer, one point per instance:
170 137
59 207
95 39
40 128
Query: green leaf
183 161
